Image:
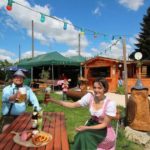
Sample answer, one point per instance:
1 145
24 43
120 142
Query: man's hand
13 97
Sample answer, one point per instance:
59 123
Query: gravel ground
118 98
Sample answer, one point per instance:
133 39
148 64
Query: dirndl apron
109 141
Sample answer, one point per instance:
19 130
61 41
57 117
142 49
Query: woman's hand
82 128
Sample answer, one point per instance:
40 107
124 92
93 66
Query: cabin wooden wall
132 81
114 72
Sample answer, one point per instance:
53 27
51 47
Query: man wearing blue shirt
10 104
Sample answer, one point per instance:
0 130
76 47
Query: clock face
138 55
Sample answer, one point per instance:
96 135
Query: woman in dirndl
93 134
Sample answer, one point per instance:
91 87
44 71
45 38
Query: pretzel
40 138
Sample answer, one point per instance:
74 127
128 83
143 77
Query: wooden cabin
102 67
112 69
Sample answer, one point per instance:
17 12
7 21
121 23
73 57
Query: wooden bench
55 126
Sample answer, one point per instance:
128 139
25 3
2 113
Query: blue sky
110 19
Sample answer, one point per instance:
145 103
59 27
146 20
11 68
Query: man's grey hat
139 86
19 73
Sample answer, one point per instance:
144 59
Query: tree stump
138 110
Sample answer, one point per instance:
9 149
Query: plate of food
32 139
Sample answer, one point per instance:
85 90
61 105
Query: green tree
143 44
3 65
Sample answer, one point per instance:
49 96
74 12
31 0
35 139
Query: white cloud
96 11
95 50
10 23
8 58
52 30
4 54
49 31
28 54
115 52
74 52
133 40
132 4
7 55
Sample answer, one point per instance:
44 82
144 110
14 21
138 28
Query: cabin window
145 71
100 72
148 71
131 71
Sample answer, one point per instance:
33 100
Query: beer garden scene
75 75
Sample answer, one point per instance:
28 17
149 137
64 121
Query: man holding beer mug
15 97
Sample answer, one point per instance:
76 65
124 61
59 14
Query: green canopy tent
53 59
79 59
48 59
24 61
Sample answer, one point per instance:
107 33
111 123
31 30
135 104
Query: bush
120 90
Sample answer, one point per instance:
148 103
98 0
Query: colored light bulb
9 5
42 18
9 8
95 35
65 26
82 31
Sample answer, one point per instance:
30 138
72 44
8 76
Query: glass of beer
22 95
40 120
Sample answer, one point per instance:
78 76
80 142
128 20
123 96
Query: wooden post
139 76
79 50
125 71
32 48
19 53
32 39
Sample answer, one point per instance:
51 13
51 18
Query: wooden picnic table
55 126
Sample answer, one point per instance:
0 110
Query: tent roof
54 58
78 58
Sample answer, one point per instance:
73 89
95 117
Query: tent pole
53 77
80 71
31 74
79 46
32 39
19 54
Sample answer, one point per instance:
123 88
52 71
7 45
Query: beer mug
22 95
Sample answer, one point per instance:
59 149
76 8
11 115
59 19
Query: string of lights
43 18
109 47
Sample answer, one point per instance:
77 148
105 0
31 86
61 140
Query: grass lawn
76 117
